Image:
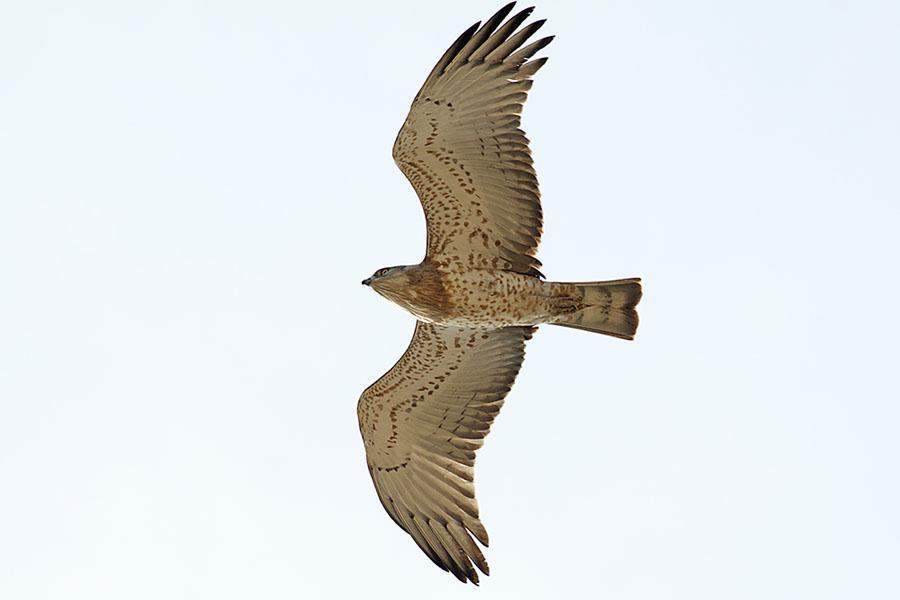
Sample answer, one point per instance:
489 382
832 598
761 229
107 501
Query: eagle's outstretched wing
463 151
421 424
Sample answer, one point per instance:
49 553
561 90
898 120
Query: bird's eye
381 272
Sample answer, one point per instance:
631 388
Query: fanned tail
609 308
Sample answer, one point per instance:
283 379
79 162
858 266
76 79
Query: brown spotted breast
482 298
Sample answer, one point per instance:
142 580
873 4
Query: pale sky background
190 193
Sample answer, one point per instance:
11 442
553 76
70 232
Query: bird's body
478 298
483 298
478 295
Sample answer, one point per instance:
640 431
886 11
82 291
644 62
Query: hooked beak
367 281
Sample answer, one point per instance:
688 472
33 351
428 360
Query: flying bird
478 294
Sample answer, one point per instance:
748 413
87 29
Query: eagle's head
417 288
386 279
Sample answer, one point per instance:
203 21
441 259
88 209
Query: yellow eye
382 272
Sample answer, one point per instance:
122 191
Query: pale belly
491 299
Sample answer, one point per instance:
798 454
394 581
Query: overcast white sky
190 193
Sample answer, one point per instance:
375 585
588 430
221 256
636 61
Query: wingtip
526 11
498 16
542 43
472 576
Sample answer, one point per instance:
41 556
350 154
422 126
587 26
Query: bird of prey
478 295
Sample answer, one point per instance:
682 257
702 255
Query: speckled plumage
478 294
